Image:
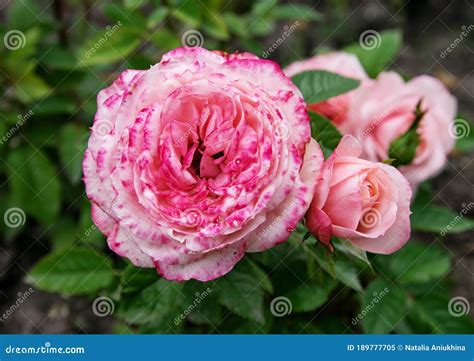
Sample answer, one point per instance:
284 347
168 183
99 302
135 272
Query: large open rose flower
384 110
335 108
361 201
199 159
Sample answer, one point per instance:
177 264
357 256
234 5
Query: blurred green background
56 56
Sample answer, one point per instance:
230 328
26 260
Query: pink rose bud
361 201
344 64
199 159
384 111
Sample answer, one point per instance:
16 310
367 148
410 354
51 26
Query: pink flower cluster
207 155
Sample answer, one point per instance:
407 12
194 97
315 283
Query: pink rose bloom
384 110
344 64
364 202
199 159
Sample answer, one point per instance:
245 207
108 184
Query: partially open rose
345 64
361 201
384 110
199 159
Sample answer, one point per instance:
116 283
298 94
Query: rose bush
364 202
199 159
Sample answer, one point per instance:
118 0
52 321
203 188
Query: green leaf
319 85
296 11
23 14
310 296
59 59
201 304
442 315
155 304
214 25
31 87
377 54
157 16
134 279
324 132
189 12
125 16
241 293
402 150
341 269
73 272
71 150
348 248
165 40
438 219
383 307
110 45
260 276
34 184
415 263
